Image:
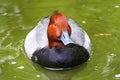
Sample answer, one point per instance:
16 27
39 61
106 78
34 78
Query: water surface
99 18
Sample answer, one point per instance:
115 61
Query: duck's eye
55 24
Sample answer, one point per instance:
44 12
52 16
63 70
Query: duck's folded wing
37 38
79 36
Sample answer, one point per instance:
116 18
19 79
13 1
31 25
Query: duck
57 43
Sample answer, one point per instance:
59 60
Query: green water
99 18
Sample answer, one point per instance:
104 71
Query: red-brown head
58 24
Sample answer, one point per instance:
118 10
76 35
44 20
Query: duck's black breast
61 57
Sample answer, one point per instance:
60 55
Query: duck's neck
56 45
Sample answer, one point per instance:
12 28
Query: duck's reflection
60 75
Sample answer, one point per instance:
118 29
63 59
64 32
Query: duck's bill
65 38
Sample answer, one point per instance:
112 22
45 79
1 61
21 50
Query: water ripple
11 50
6 36
107 69
9 57
4 7
117 76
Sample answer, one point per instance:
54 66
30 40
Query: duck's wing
37 38
79 36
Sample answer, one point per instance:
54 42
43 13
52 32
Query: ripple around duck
107 69
11 50
6 9
4 37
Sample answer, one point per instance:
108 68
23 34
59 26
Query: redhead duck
58 43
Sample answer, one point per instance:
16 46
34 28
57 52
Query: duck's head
58 31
